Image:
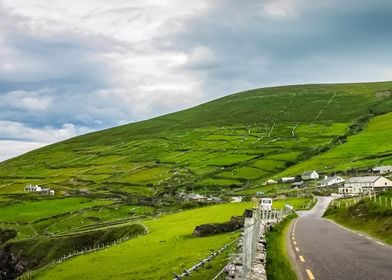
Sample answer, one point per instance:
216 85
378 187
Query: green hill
128 176
235 141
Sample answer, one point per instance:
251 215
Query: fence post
247 247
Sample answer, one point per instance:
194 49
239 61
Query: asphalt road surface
323 250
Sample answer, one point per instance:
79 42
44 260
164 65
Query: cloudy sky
70 67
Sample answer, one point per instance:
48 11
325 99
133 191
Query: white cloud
281 8
18 131
36 101
98 63
9 149
16 138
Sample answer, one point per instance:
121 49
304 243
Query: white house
196 197
359 185
235 199
330 181
36 188
310 175
297 185
287 179
382 169
270 182
31 188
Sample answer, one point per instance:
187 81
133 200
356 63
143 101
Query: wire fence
201 264
384 201
32 273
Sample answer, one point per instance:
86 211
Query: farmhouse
270 182
331 181
360 185
297 185
287 179
382 169
31 188
36 188
196 197
310 175
235 199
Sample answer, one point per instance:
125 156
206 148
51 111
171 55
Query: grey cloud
252 48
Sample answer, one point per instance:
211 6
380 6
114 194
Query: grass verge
278 265
365 216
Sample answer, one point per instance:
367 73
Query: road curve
320 249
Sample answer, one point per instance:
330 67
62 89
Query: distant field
372 146
169 247
236 141
31 211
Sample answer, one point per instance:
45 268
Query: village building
310 175
331 181
39 189
214 199
270 182
31 188
287 179
298 185
382 169
196 197
366 184
236 199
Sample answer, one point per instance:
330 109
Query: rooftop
365 179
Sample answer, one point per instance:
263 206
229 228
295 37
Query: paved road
323 250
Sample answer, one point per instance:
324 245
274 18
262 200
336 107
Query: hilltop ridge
235 141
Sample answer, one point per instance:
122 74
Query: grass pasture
372 146
35 210
268 129
169 247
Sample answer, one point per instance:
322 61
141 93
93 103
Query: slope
235 141
370 147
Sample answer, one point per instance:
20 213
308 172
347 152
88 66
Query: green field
246 137
371 147
31 211
169 247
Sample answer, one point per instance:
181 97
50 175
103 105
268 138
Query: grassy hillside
235 141
131 174
370 147
169 247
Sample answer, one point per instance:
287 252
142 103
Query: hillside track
321 249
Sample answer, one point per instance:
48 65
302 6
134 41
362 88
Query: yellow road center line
297 249
301 258
310 274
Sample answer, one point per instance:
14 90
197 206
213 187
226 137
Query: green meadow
32 211
133 174
239 140
168 247
370 147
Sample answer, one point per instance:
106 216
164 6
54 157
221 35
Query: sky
72 67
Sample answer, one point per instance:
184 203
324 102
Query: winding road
320 249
